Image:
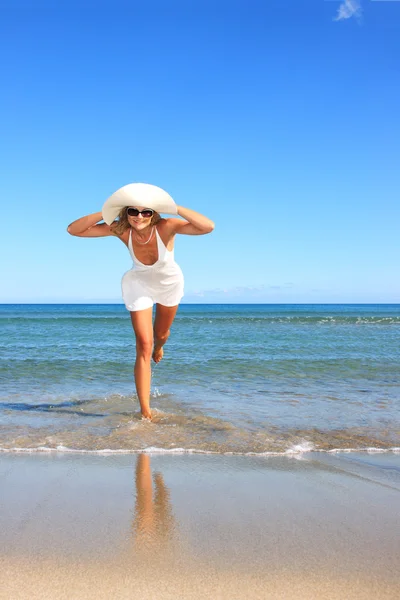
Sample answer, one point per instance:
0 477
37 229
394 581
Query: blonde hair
120 226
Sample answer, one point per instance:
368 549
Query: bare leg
142 325
163 321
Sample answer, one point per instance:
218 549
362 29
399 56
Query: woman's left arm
194 223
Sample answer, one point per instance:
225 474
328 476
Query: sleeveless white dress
160 283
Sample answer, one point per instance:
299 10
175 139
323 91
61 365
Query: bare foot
146 416
158 354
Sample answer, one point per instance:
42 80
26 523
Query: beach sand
164 526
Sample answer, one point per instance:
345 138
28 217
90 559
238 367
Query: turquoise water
235 378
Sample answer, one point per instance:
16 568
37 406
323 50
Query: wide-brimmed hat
138 194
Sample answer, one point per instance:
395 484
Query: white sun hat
138 194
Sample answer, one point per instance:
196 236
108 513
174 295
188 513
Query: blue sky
278 119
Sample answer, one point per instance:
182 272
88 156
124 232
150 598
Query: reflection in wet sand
154 524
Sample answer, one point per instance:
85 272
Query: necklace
144 243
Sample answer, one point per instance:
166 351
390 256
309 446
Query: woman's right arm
87 226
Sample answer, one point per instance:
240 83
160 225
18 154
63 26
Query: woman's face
139 222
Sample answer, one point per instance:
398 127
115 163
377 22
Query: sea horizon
115 303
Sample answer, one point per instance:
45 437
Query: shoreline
299 450
163 526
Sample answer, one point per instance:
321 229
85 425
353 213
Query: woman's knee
161 335
144 347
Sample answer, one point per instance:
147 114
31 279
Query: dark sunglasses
134 212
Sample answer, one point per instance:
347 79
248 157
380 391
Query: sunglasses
134 212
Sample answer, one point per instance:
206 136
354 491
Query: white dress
160 283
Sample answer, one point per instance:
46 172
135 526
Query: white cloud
251 291
348 9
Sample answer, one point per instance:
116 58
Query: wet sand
194 526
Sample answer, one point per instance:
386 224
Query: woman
154 278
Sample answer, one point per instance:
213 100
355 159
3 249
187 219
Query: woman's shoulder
162 225
124 236
166 224
166 232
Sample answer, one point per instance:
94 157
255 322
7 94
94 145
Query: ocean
241 379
